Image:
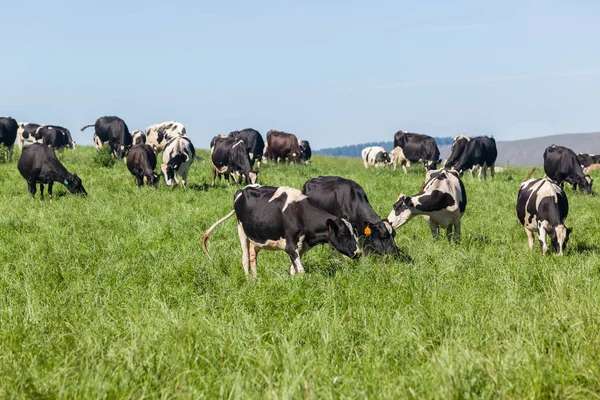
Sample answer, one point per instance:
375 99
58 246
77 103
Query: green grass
110 296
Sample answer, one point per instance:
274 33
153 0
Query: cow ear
332 226
408 201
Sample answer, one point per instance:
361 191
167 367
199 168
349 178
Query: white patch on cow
357 251
271 244
293 196
236 143
237 196
251 155
388 227
253 175
467 138
561 235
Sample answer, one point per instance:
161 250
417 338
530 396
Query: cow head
402 211
585 184
382 157
342 237
559 237
152 180
74 185
379 238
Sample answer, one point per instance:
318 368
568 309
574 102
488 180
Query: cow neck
57 171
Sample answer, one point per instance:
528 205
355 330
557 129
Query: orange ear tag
367 231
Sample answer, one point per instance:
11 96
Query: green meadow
111 296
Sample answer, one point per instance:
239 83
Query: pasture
111 296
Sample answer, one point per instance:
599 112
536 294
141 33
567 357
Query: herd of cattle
329 209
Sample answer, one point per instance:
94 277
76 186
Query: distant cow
397 158
542 207
562 165
178 156
28 132
282 218
418 148
138 137
468 153
375 156
229 157
345 198
158 135
141 162
305 151
442 201
588 159
114 131
282 145
56 137
253 142
38 163
8 134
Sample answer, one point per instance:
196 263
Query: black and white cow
272 218
28 132
375 156
138 137
38 163
8 134
443 201
542 207
141 162
281 146
114 131
397 158
347 199
178 156
254 143
229 157
56 137
562 165
469 153
418 148
305 151
158 135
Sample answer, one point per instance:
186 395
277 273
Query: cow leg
457 232
291 248
41 190
140 180
20 143
492 171
50 190
253 256
184 173
404 168
542 238
449 233
163 169
214 175
32 188
530 238
365 163
245 251
10 152
434 229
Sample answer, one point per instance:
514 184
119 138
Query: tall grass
111 296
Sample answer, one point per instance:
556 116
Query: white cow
158 135
397 156
178 156
375 155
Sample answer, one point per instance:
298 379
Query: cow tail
529 174
87 126
209 231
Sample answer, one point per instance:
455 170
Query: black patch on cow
435 201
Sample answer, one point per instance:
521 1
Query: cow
347 199
562 165
282 145
138 137
468 153
8 134
158 135
28 132
375 155
114 131
56 137
305 151
178 156
38 163
442 200
253 142
542 207
229 157
141 162
588 159
418 148
282 218
397 158
593 167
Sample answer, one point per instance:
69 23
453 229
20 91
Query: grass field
110 296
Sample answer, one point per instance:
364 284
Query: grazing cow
138 137
397 158
229 157
28 133
141 162
158 135
8 134
468 153
442 201
347 199
542 207
114 131
418 148
253 142
281 145
562 165
588 159
282 218
56 137
178 156
375 155
305 151
38 163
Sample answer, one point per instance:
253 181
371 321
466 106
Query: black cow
141 162
8 134
562 165
418 148
254 143
38 163
282 145
114 131
282 218
56 137
468 153
305 151
229 157
347 199
588 159
542 207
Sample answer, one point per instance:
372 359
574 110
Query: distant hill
355 149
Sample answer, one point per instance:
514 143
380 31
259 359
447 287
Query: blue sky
331 72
